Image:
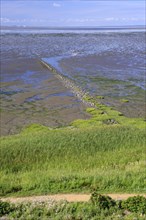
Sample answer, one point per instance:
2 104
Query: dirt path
68 197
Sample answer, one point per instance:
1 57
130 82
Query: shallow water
111 64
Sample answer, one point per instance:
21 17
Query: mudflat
109 65
32 94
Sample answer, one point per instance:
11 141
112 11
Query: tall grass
41 160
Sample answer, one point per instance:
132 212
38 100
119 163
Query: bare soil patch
67 197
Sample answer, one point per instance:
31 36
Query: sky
72 13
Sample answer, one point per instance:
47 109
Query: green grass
105 152
109 159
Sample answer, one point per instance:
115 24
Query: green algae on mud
102 114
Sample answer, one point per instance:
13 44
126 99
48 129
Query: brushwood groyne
77 91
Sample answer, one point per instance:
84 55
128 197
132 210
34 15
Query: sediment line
78 92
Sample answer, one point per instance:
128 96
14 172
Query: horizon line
72 26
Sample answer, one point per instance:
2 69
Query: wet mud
36 96
111 78
111 65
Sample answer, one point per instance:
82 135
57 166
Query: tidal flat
35 95
108 65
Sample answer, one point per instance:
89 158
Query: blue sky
72 13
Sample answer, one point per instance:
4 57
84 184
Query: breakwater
77 91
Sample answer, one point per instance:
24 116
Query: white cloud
56 5
126 19
80 20
7 20
110 19
4 20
